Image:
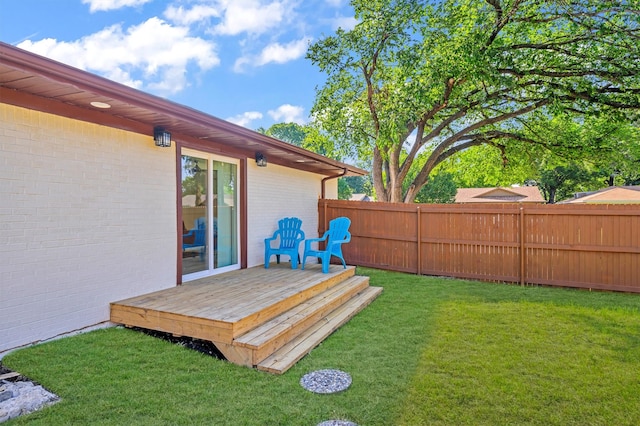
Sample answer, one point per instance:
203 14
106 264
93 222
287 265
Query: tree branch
501 19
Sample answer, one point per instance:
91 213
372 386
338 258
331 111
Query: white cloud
251 16
347 23
197 13
288 114
275 52
154 52
240 63
104 5
280 54
246 118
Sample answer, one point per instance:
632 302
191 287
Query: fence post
522 249
419 236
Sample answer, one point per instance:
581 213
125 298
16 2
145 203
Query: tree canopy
574 165
415 82
303 135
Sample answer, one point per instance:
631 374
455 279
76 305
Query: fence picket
588 246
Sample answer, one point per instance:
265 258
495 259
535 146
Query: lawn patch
428 350
528 363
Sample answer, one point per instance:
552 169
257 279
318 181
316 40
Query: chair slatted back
290 232
339 230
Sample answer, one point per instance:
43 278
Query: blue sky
239 60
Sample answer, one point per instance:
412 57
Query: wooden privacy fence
588 246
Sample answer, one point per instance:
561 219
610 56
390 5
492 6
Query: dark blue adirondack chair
199 237
289 235
336 236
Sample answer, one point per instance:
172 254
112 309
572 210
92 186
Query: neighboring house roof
35 82
360 197
609 195
521 194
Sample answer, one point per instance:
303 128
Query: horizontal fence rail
587 246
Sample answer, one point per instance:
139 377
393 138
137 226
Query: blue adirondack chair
289 236
336 236
199 234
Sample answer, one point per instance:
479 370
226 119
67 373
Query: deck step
246 321
290 353
270 336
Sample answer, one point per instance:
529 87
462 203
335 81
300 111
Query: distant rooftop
521 194
609 195
360 197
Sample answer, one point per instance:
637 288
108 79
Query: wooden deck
264 318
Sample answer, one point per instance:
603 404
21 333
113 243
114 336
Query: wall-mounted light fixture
161 137
261 160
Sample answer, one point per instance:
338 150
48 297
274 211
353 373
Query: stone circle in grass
326 381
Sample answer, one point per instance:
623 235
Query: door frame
216 150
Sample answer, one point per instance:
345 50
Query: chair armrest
346 240
272 238
307 242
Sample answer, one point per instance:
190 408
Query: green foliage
603 149
486 166
562 182
305 136
428 350
194 181
591 152
441 189
344 190
358 184
293 133
432 79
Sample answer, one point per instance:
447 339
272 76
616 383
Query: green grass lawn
428 351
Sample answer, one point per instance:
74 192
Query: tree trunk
411 194
376 174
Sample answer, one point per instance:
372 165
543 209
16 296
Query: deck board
224 306
257 317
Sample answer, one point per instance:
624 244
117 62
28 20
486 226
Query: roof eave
165 112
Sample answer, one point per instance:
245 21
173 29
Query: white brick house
92 211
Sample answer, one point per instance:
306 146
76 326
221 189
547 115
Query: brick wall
87 217
281 192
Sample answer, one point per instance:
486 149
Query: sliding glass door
210 214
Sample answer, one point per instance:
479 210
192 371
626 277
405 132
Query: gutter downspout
322 197
322 189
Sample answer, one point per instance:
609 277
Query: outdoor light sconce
161 137
261 160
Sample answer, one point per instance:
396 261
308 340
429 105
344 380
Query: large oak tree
419 78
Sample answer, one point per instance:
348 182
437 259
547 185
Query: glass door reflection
225 217
209 196
195 215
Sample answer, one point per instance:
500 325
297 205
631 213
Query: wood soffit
35 82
